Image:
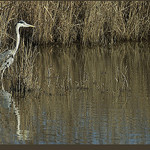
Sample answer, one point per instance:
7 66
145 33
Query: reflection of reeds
74 114
59 115
73 69
85 22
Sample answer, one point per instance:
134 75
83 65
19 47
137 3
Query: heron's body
7 57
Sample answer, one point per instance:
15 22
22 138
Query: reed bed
85 22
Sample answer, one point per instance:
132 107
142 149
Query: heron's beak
29 25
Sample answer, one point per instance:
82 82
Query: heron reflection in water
6 101
7 57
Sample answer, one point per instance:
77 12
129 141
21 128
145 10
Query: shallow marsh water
82 96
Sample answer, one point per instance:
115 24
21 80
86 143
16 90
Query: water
82 96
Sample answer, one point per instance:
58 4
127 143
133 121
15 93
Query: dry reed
76 21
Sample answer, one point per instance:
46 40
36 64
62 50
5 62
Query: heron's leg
3 87
2 79
2 75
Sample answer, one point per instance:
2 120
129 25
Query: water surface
82 96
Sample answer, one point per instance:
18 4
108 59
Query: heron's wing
4 56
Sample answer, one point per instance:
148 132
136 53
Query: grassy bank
83 22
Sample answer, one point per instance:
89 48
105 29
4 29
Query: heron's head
22 23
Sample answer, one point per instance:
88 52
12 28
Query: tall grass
84 22
19 77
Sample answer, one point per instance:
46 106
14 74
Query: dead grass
84 22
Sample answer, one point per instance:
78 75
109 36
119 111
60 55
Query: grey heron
7 57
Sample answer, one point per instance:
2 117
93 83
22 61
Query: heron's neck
17 40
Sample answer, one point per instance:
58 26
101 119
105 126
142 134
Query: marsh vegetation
83 22
80 77
86 23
